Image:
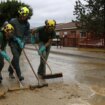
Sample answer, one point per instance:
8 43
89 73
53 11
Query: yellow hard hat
23 11
8 27
50 23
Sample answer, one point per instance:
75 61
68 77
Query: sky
60 10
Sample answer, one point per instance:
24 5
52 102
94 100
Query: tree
90 16
9 9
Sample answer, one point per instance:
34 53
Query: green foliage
9 10
91 15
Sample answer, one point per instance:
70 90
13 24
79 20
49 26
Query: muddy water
88 73
97 100
84 79
92 73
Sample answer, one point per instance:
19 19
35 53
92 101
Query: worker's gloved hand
33 39
20 42
4 54
41 49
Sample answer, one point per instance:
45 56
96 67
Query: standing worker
5 35
22 30
44 35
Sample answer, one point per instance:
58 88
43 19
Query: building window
82 34
57 33
65 33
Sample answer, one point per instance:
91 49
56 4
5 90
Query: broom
33 86
20 84
51 75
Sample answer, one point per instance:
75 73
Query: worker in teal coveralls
44 35
22 30
5 34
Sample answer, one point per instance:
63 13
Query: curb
69 54
76 55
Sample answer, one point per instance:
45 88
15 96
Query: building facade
70 36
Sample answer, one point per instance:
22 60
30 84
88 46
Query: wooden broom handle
44 60
31 66
15 74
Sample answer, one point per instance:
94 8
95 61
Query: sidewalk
80 52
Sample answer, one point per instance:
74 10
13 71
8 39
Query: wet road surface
88 73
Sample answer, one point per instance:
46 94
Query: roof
65 26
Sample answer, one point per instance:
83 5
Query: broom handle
44 60
31 66
21 85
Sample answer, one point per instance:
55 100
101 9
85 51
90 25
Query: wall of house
75 38
69 38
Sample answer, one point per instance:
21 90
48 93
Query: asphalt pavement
94 53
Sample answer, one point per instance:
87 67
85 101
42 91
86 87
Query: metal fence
83 42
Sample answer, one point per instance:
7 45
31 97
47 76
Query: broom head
51 76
